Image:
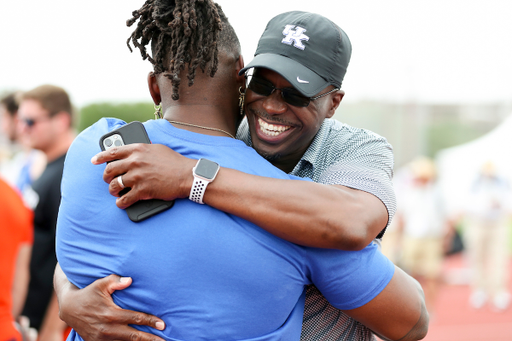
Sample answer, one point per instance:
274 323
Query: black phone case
134 132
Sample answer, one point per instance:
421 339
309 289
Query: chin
271 157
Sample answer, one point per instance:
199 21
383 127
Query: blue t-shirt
209 275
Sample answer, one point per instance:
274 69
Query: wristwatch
204 172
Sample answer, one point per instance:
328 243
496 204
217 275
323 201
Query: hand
27 333
152 171
92 313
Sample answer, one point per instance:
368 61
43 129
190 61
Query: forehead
31 108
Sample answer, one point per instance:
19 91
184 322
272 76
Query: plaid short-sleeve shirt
353 157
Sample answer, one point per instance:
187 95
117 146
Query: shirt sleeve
369 168
350 279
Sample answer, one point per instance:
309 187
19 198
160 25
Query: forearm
53 327
302 212
61 284
21 279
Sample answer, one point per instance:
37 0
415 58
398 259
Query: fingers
114 187
114 153
141 319
125 317
127 199
119 155
128 334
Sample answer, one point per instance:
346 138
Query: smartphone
134 132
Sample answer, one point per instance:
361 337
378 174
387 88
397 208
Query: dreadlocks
181 32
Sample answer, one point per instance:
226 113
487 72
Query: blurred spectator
420 219
45 115
391 244
20 165
15 247
486 237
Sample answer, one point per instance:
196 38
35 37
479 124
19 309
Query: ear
239 66
63 120
154 89
335 102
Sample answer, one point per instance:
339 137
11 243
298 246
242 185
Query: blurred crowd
36 134
424 232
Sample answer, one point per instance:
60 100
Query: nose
22 127
274 104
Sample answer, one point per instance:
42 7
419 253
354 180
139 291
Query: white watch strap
198 189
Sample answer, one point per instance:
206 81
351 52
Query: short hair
182 32
11 103
52 98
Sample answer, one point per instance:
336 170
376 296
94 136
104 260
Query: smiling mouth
272 129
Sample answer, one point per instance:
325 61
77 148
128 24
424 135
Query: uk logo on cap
294 37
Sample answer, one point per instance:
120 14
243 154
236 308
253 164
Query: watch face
206 169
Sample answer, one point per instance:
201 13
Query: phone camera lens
117 143
108 143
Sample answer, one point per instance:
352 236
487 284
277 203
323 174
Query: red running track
455 320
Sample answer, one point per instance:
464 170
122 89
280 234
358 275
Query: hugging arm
398 313
92 313
303 212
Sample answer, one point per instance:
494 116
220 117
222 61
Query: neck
60 147
203 115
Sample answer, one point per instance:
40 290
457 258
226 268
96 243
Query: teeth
272 129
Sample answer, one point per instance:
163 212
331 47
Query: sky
436 51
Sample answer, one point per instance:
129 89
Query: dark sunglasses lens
259 87
294 98
290 96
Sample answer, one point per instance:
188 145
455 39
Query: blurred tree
451 133
128 112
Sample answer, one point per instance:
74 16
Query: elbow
417 332
423 323
354 238
420 328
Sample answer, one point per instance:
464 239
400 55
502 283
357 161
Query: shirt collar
313 153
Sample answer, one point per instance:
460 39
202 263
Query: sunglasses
290 95
30 122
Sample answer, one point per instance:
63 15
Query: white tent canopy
459 165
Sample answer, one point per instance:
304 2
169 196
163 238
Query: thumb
114 282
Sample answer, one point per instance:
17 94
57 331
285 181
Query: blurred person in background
45 115
421 222
15 247
487 218
392 244
21 165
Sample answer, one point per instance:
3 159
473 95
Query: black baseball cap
307 49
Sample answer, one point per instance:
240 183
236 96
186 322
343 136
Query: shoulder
343 139
341 145
88 141
86 145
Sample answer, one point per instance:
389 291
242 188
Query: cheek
249 96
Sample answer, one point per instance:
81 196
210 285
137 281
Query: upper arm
398 312
350 279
